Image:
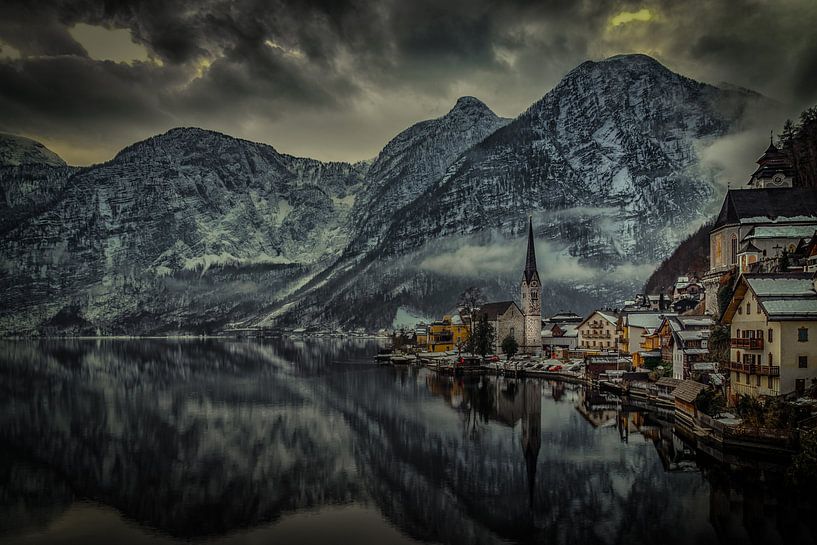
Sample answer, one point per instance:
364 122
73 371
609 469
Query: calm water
308 442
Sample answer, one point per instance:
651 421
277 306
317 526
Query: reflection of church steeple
531 434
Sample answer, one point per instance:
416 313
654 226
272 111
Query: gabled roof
669 381
766 205
688 390
495 310
782 296
609 317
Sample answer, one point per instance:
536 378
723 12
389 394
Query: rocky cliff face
193 230
128 245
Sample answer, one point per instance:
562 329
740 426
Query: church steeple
530 261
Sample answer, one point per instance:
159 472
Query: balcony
747 344
755 369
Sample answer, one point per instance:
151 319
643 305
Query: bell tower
531 299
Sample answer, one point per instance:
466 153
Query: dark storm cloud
337 79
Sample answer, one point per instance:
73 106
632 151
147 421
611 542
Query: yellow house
650 348
773 346
447 334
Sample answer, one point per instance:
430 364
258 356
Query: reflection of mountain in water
199 438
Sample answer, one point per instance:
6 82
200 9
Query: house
635 327
756 225
687 287
684 343
598 332
685 395
560 331
506 318
450 333
421 335
773 320
560 337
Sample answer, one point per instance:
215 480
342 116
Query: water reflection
200 439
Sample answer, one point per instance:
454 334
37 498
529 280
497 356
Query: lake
285 441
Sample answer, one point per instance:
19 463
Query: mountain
177 231
18 150
607 162
192 230
412 161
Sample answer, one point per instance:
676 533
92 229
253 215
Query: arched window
733 251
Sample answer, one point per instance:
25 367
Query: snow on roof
705 366
651 354
696 351
695 321
803 307
693 334
783 287
783 231
569 330
647 320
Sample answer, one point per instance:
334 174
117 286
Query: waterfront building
531 288
450 333
635 328
598 332
773 348
685 395
684 344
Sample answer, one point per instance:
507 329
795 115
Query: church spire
530 261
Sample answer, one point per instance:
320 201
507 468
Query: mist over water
160 441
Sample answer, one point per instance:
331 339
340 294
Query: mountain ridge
193 230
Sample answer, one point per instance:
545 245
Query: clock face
778 180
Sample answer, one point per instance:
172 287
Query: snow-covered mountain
607 164
192 230
176 231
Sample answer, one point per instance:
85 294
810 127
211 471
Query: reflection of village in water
751 505
222 437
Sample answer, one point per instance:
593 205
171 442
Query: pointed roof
530 260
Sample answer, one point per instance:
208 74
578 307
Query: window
748 308
737 378
771 335
740 310
757 380
758 309
771 359
769 382
733 250
802 335
512 333
737 334
802 362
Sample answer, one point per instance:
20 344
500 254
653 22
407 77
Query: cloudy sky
335 80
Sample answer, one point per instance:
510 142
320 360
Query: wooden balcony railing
755 369
747 344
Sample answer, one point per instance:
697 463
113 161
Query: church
757 225
531 300
522 323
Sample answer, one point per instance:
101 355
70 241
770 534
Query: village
727 349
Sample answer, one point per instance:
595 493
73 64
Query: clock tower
774 170
531 299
